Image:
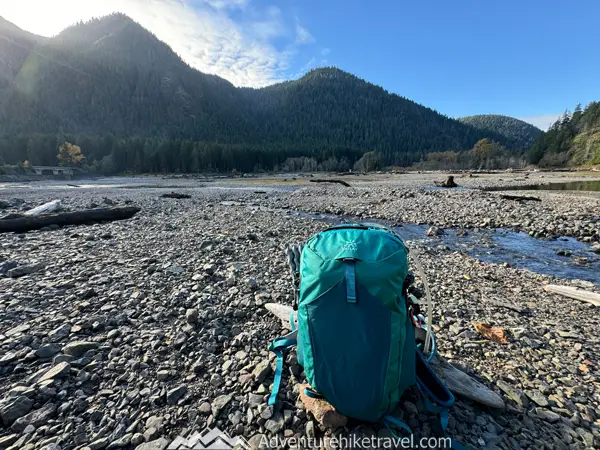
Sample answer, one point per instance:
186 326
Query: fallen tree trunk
342 182
574 293
520 198
176 195
28 223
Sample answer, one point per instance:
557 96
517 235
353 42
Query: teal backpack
360 337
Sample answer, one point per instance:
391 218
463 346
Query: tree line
573 138
112 155
486 154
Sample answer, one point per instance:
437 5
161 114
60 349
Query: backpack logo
350 246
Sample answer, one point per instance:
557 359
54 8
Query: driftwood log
449 183
322 411
462 384
28 223
520 198
574 293
49 207
176 195
319 180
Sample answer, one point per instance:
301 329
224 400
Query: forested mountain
523 134
131 103
15 47
573 139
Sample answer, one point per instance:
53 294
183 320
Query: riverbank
169 306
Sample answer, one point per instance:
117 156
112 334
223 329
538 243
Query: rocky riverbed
130 334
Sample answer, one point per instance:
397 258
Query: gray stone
275 423
434 231
59 333
262 370
219 403
191 316
8 358
60 370
514 394
99 443
15 409
537 397
36 418
310 429
24 270
6 266
586 436
51 446
121 442
162 375
547 415
255 399
216 380
205 408
155 422
175 394
158 444
151 433
258 442
7 441
47 350
78 348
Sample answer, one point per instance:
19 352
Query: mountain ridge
511 127
110 76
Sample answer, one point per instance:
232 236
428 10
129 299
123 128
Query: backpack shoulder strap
279 346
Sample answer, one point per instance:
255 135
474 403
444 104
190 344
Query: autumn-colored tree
483 151
69 154
26 164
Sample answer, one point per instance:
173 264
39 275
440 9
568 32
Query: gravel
130 334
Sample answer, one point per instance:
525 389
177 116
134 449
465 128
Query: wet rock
434 231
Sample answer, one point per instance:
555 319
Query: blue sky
530 59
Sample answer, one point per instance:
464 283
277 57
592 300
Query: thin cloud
542 122
200 31
303 36
224 4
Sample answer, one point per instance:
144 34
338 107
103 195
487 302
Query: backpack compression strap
436 396
279 346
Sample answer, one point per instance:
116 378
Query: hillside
15 47
110 85
523 134
574 139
